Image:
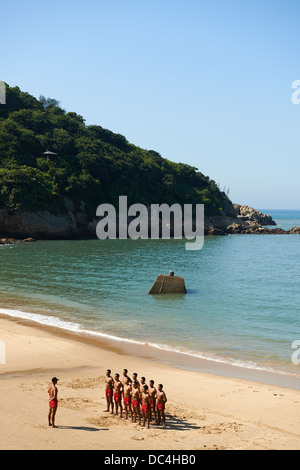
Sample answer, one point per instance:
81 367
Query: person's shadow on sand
83 428
172 422
179 424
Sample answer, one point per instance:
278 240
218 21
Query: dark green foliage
93 165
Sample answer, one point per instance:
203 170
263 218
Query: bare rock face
247 220
249 213
73 223
37 224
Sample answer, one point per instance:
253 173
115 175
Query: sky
203 82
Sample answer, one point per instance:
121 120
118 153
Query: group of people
141 402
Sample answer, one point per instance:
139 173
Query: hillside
93 165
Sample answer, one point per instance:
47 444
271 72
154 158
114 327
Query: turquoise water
242 305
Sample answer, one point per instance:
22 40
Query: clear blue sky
205 82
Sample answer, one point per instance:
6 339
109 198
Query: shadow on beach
83 428
179 424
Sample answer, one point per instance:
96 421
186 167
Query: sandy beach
204 411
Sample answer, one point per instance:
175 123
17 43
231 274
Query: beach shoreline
214 412
174 358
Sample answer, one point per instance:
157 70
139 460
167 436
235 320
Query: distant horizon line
267 211
270 209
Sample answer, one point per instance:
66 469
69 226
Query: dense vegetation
93 164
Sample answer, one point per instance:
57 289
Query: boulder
7 241
277 231
244 213
294 230
234 228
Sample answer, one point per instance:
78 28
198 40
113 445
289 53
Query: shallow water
242 306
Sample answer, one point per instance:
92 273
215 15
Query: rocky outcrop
247 213
7 241
12 241
294 230
247 220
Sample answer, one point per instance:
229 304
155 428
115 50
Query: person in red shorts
161 400
53 402
127 398
118 388
152 393
109 391
135 379
145 408
136 401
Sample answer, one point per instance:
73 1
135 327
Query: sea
240 315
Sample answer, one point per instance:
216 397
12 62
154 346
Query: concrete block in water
168 284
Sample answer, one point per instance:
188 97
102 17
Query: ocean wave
76 328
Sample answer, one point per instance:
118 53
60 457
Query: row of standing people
141 402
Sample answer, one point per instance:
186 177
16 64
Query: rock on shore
12 241
247 213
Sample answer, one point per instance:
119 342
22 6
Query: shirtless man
53 392
127 398
135 379
125 376
142 383
118 388
161 400
136 401
152 393
145 406
141 386
109 391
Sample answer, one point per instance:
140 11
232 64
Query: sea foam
76 328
